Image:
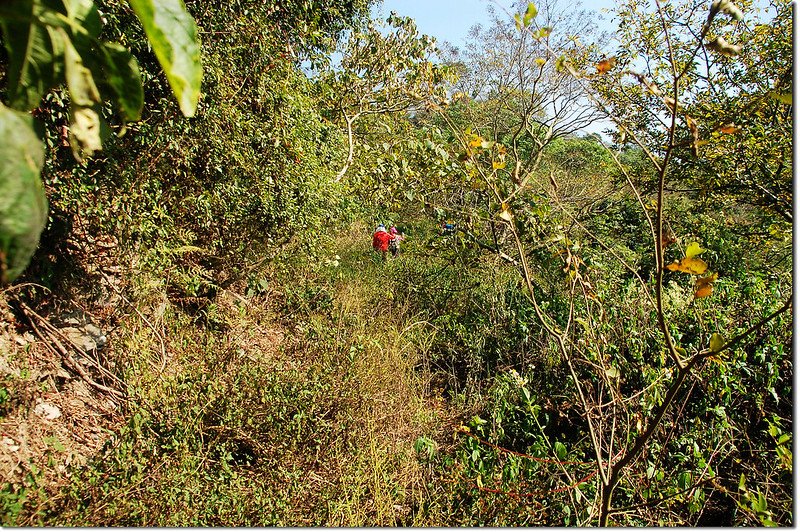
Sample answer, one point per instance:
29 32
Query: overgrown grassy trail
297 406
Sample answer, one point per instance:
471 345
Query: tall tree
520 97
384 70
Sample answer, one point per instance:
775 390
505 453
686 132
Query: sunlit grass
296 415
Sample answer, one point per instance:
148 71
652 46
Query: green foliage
50 44
173 34
590 230
275 425
248 174
14 500
23 207
469 344
564 332
386 71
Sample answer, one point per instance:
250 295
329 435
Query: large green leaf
40 34
172 33
117 74
114 70
84 119
80 81
23 205
530 14
33 51
84 13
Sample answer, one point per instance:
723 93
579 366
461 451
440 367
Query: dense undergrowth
264 367
299 406
348 391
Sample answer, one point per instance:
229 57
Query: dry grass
324 399
377 479
51 421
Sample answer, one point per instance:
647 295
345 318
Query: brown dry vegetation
296 411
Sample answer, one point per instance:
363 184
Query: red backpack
380 241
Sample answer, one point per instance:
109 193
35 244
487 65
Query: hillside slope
299 405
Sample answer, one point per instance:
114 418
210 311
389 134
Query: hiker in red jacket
380 240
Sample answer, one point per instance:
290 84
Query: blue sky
450 20
447 20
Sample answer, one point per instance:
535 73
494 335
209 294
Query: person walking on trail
380 240
394 240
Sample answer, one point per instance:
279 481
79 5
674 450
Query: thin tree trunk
350 148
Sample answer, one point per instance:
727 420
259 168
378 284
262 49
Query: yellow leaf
689 265
540 61
717 342
703 287
606 64
530 14
693 249
729 129
704 291
710 279
695 266
476 141
498 165
505 214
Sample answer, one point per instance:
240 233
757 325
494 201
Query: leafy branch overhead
56 43
384 73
